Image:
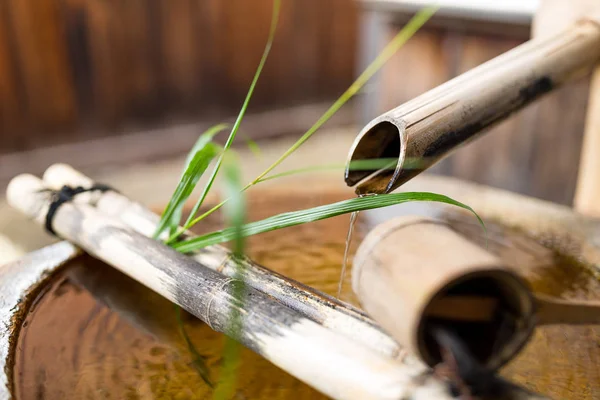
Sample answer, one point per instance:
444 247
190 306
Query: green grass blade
235 216
377 163
235 209
189 179
355 165
254 148
240 117
314 168
398 41
315 214
205 138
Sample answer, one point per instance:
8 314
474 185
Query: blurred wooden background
73 70
93 71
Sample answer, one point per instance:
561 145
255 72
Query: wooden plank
77 42
420 65
559 122
325 44
340 66
107 92
179 62
135 25
246 38
211 43
94 67
42 57
11 107
124 72
276 88
305 25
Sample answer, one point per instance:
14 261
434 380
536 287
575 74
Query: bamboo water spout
432 125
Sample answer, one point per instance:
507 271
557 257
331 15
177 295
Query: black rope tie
65 195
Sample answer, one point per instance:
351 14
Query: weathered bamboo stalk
430 126
461 288
333 364
340 317
387 289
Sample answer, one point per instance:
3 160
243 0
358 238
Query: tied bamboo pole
333 364
339 317
431 126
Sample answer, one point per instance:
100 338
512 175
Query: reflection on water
75 346
96 334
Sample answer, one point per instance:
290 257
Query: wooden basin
90 332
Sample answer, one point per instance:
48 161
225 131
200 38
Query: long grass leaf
205 138
240 117
235 210
235 215
289 219
189 179
254 148
395 44
398 41
355 165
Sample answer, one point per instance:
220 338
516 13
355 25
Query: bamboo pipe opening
381 140
432 125
490 311
416 277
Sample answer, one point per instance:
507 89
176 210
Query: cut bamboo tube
340 317
432 125
410 288
333 364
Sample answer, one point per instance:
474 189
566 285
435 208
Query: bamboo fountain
388 351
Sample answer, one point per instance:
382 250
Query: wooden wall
535 152
72 70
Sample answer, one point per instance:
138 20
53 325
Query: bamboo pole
409 295
461 287
333 364
432 125
340 317
587 191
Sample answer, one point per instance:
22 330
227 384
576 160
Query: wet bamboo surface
74 346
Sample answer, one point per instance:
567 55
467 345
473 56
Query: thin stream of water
353 218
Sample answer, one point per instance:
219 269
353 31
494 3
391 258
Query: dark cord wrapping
65 195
